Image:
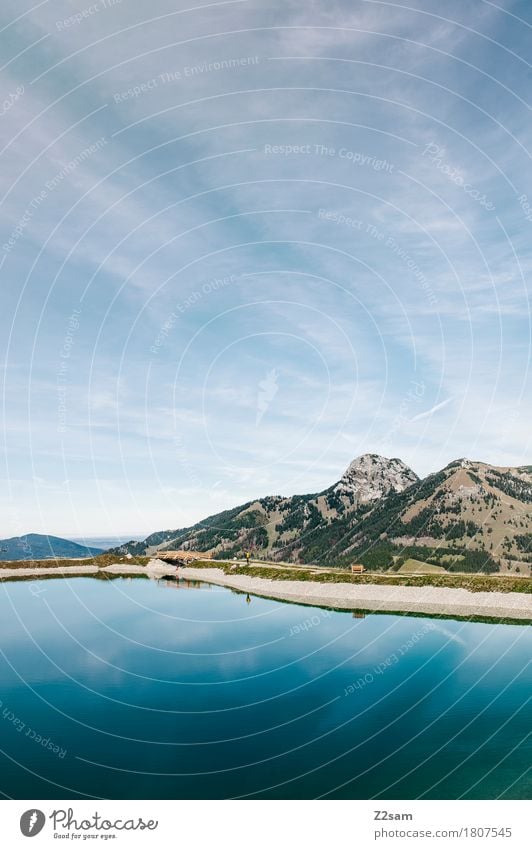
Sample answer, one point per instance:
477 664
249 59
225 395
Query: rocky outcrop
371 477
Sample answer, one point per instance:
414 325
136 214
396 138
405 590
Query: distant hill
42 547
104 542
468 517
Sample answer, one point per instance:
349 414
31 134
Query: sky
243 243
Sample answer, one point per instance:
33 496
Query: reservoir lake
134 688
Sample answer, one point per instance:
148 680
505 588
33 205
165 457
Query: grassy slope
412 567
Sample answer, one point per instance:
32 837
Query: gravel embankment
156 568
435 600
35 572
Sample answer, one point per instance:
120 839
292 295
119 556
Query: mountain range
469 516
43 547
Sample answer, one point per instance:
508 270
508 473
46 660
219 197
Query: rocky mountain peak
371 476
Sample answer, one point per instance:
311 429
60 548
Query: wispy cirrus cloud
245 140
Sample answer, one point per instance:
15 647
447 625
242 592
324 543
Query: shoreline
429 600
156 569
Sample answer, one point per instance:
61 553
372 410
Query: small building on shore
357 568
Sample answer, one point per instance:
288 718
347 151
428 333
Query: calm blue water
136 689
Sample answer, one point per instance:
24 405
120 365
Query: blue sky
243 243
